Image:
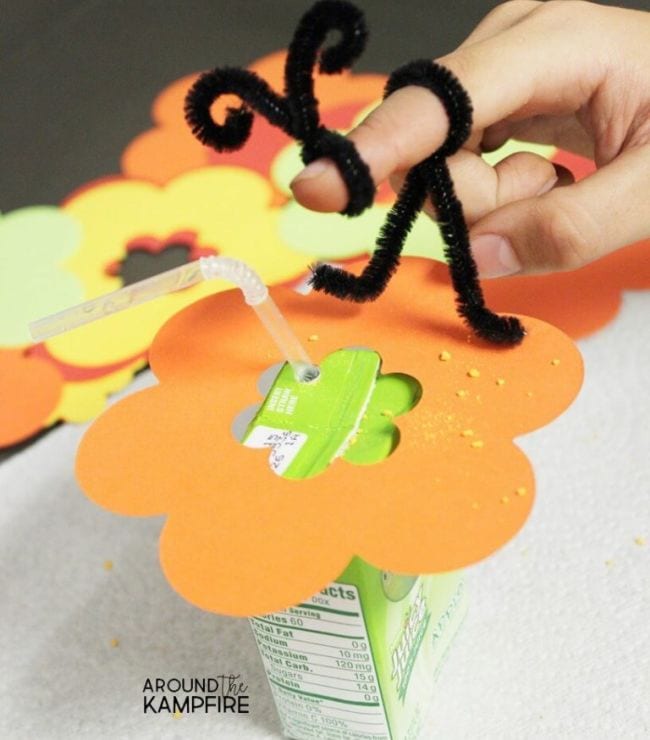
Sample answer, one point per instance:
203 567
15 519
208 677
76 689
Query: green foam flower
34 244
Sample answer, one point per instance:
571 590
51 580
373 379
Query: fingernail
564 175
494 256
547 186
312 171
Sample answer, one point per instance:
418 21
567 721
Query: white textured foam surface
556 644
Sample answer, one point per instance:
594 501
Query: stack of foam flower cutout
58 255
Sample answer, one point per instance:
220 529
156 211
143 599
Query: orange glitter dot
108 565
115 642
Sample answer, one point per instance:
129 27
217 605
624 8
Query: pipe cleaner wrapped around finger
296 113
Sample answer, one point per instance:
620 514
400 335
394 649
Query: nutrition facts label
320 667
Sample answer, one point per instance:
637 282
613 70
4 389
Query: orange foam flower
239 539
340 96
30 388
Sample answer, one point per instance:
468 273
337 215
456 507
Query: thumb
568 227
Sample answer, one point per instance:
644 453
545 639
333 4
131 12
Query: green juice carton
358 660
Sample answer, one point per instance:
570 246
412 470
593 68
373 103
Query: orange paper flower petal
441 501
29 391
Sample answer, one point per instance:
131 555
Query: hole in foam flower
147 256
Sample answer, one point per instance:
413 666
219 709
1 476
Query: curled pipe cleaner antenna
296 113
429 178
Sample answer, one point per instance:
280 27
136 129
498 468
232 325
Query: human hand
563 72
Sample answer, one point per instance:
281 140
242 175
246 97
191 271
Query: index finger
534 67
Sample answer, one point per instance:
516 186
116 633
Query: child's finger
521 175
565 132
483 188
498 19
571 226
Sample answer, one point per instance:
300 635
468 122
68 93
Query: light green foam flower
34 243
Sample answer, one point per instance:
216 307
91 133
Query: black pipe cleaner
296 113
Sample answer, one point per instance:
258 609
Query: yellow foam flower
229 209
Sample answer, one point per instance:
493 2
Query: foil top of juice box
307 425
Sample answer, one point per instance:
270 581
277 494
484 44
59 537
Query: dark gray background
78 76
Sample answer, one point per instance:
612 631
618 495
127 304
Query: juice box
358 660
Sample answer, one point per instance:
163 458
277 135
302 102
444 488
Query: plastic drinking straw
255 292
